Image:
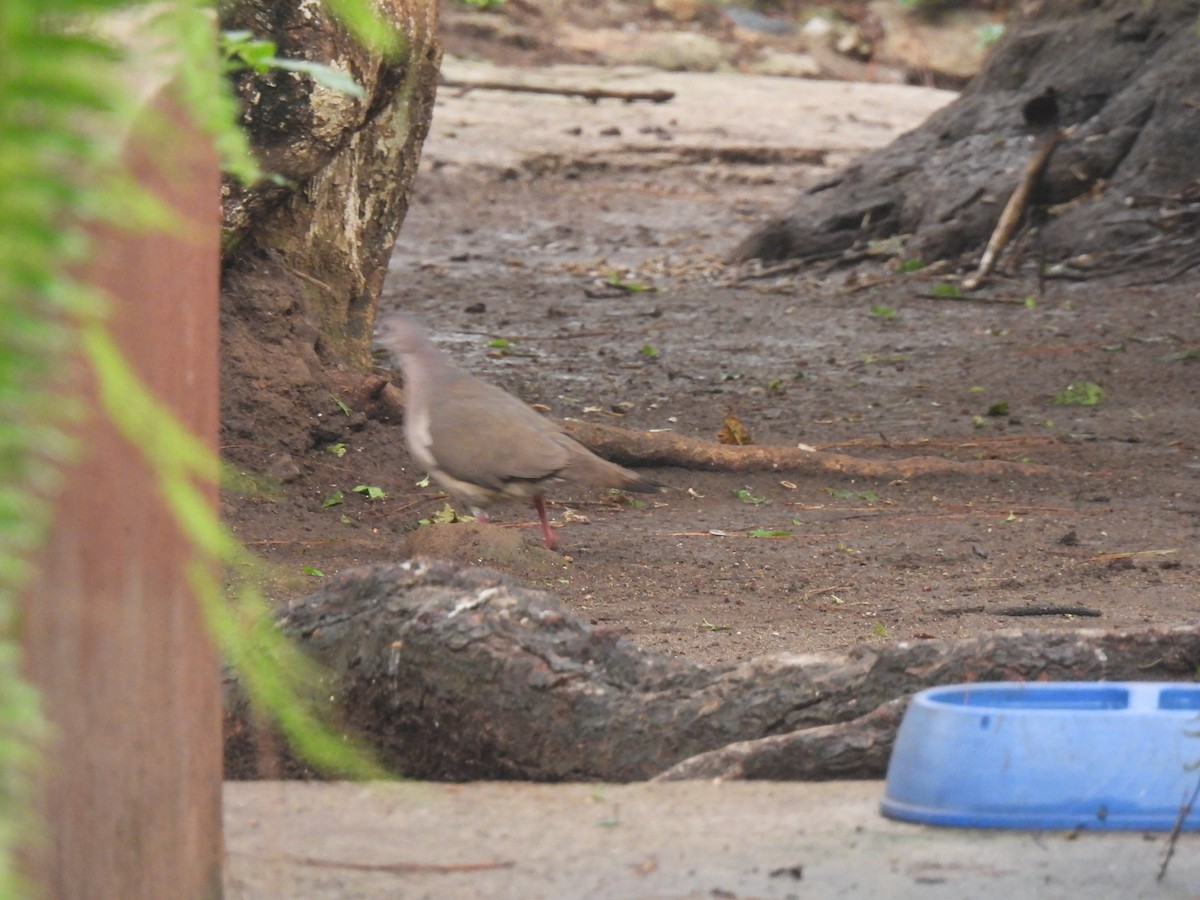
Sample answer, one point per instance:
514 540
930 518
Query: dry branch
666 448
591 95
1014 210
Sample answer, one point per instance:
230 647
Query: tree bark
457 673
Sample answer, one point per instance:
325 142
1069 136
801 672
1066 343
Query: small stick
591 95
1132 554
1184 811
398 868
1014 210
1049 611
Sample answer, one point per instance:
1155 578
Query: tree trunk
306 252
456 673
1125 76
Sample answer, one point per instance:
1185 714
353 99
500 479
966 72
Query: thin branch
591 95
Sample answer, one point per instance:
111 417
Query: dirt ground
550 256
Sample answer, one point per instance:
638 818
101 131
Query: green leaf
341 404
911 265
309 570
1182 356
747 496
883 312
1085 393
324 75
768 533
633 287
334 499
649 351
946 290
448 515
370 491
338 449
999 408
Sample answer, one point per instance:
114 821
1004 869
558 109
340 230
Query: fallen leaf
734 432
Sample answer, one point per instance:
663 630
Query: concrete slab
671 840
718 116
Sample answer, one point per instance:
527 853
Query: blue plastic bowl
1101 755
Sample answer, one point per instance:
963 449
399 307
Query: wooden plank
113 636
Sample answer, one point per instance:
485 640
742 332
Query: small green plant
1083 393
768 533
883 312
879 630
338 450
990 33
334 499
846 494
341 405
911 265
944 290
999 408
312 570
499 343
649 351
370 491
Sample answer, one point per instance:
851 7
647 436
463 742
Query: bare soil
726 565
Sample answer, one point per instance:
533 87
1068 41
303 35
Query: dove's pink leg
547 532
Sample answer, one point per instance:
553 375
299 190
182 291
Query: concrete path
723 117
671 840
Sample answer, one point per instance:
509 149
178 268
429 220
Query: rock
674 51
948 45
679 10
283 468
787 65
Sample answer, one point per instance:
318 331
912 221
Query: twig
1050 611
785 268
1014 210
308 278
808 595
1184 811
591 95
399 868
1133 554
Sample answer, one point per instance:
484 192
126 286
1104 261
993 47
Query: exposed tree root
459 673
666 448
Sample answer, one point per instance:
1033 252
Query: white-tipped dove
482 444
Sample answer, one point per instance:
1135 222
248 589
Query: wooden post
113 637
